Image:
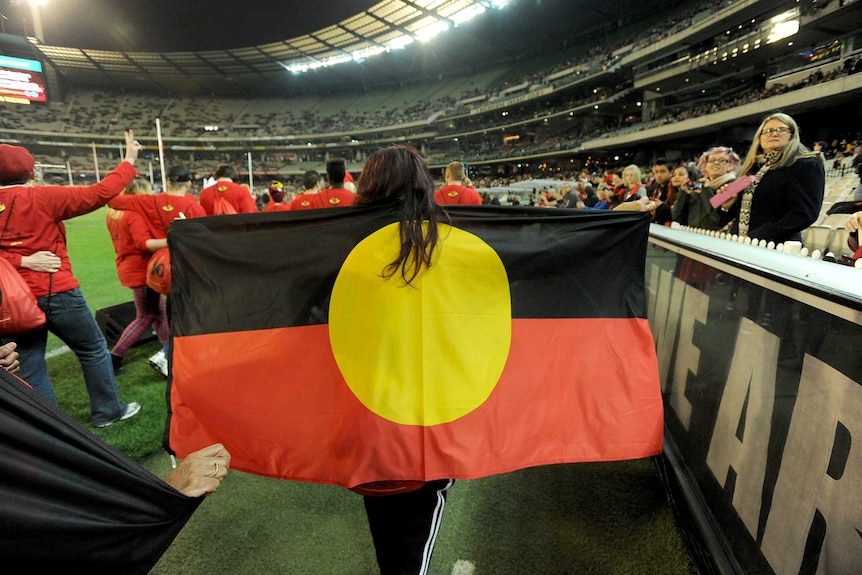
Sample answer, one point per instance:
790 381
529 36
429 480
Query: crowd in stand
100 113
542 141
185 117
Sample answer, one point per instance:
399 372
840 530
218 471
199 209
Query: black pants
404 527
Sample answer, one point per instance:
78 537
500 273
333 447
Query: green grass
92 258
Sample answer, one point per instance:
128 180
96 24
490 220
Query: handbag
19 310
159 272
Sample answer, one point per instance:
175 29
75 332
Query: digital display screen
21 81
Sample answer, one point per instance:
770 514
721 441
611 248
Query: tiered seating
827 234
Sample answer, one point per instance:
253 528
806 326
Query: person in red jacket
308 199
336 195
158 212
129 234
238 196
454 192
34 242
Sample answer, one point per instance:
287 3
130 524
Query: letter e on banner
695 308
817 475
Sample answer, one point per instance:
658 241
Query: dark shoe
132 410
117 362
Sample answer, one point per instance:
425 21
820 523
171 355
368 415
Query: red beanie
15 162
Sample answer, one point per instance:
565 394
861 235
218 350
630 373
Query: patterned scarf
721 182
766 160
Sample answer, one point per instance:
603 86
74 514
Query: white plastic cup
792 248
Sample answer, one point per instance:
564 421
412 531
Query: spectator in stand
549 198
617 186
238 196
277 198
159 211
632 187
692 207
788 187
719 166
603 198
454 191
34 242
308 199
661 189
336 195
569 199
585 194
838 164
853 224
129 234
856 164
489 200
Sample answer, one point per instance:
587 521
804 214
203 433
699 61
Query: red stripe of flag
300 420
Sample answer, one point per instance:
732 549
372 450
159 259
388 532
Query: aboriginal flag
525 343
70 503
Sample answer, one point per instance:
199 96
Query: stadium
528 95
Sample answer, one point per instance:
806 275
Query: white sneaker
132 409
160 362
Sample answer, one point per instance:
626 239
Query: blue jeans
69 318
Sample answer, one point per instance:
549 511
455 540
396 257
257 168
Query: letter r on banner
807 480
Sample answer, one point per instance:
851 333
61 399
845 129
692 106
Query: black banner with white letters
760 365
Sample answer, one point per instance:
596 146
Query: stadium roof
232 55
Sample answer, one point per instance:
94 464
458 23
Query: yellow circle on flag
429 352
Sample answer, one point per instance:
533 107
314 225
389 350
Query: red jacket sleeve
77 201
139 230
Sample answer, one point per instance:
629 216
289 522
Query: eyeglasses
779 131
718 161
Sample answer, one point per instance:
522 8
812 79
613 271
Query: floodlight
784 25
428 32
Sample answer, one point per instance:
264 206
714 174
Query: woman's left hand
9 357
853 223
201 472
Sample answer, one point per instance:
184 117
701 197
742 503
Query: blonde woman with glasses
786 193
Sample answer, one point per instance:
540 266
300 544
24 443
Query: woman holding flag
404 517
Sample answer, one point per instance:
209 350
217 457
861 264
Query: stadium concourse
530 97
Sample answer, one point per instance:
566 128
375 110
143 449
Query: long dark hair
398 175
